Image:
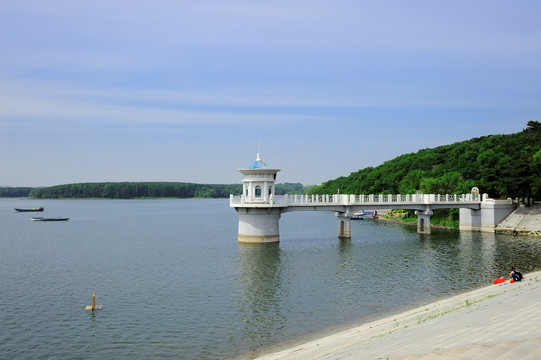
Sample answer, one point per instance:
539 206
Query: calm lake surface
175 283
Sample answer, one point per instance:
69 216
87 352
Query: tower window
258 191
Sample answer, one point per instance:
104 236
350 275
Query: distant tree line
14 191
130 190
500 165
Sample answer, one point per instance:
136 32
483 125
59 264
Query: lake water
175 283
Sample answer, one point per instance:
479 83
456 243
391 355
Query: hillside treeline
500 165
130 190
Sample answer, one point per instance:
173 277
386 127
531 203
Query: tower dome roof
259 167
258 163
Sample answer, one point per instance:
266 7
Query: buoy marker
93 306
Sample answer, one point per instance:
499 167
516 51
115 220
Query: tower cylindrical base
258 239
259 225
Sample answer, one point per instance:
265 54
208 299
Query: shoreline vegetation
443 220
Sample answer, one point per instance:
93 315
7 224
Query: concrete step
510 350
431 356
534 355
412 357
437 356
474 352
522 350
495 351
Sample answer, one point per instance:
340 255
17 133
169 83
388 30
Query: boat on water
49 219
360 215
33 209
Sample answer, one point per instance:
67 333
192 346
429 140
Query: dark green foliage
500 165
14 191
130 190
290 188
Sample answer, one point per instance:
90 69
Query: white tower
258 182
258 218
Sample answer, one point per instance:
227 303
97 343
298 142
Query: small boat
361 214
49 219
27 210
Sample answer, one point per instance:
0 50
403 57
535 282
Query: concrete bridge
260 209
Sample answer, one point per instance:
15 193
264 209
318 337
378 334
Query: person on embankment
515 275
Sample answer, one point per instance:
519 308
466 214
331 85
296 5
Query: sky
190 91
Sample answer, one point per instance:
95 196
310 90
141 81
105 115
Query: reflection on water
345 267
258 268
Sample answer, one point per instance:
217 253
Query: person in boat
515 275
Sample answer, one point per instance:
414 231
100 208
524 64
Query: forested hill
500 165
129 190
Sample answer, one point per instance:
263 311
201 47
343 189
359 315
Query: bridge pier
344 225
423 221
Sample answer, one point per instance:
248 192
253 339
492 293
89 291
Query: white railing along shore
344 199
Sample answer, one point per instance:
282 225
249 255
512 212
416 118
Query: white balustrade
346 199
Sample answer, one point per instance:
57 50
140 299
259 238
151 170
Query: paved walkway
497 322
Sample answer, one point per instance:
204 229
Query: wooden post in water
93 306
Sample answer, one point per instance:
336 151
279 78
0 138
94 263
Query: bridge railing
345 199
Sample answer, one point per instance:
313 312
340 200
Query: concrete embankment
525 220
495 322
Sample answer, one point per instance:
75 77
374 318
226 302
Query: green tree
445 184
535 166
411 182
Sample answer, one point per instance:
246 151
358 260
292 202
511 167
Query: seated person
515 274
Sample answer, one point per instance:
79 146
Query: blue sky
164 90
